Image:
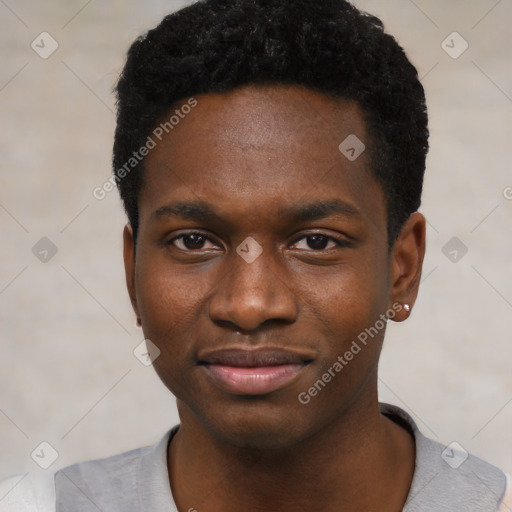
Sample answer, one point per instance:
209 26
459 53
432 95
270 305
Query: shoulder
85 481
116 483
137 480
77 483
28 493
448 478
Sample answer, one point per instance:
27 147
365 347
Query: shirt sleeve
28 493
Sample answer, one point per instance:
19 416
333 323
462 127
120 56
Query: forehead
264 144
267 117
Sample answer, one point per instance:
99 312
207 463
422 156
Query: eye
192 242
316 242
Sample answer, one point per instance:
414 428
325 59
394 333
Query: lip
254 372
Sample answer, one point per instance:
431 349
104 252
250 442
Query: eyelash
339 243
183 235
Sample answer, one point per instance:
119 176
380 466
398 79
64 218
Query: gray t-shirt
446 478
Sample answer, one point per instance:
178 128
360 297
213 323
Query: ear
406 263
129 265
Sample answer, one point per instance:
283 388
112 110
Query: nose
250 294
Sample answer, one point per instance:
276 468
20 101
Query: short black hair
328 46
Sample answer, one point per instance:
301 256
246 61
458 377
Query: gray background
68 375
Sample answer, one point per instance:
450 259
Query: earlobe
129 265
406 263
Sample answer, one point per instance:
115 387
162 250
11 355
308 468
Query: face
261 258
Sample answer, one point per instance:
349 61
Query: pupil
193 241
317 242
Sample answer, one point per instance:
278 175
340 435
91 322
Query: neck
358 462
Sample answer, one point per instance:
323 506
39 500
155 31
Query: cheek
349 298
167 296
346 308
164 302
170 305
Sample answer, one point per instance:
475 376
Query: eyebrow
319 210
201 211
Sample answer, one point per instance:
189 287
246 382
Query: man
270 157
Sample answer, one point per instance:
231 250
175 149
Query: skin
254 156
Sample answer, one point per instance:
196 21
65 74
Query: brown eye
316 243
192 242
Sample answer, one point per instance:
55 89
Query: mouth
253 372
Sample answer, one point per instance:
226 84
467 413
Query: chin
257 426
